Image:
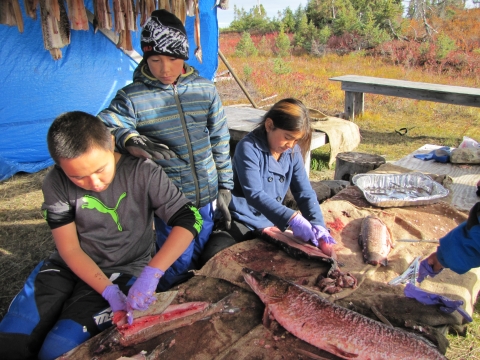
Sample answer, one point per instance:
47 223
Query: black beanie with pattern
164 34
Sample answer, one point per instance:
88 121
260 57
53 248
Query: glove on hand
223 200
323 234
115 297
425 269
428 298
302 229
141 294
140 146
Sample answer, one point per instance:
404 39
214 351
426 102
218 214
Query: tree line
348 25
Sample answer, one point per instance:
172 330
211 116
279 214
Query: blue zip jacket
261 183
188 117
459 250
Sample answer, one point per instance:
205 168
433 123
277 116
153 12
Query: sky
225 17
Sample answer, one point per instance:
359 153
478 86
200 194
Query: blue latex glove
428 298
115 297
302 229
141 294
323 234
425 269
440 155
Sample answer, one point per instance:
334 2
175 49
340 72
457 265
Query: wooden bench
355 86
242 120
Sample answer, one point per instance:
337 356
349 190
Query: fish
375 241
77 15
190 7
144 328
198 50
102 14
337 330
55 26
179 9
31 8
145 9
292 246
11 14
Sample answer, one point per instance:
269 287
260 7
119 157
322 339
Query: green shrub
245 46
282 42
281 67
247 72
444 45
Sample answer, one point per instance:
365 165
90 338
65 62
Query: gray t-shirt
114 226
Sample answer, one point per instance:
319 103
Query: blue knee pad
65 335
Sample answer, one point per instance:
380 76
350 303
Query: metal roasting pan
397 190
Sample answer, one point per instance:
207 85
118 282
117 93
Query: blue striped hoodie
188 117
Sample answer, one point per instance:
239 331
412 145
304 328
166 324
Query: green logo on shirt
93 203
198 219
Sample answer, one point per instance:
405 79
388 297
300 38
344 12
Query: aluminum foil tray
396 190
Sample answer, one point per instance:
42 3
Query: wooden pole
239 82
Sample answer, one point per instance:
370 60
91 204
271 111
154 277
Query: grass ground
425 122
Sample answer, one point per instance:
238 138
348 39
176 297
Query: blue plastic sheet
35 89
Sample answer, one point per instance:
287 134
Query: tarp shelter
35 88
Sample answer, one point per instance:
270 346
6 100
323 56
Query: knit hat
164 34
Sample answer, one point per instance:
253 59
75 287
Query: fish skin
375 241
340 331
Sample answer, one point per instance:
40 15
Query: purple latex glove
302 229
141 294
323 234
425 269
428 298
115 297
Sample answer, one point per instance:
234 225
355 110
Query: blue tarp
35 88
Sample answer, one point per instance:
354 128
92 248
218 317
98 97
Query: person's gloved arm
223 200
429 267
302 229
141 294
140 146
115 297
428 298
323 234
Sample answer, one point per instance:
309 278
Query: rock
335 186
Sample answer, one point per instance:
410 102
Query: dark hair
291 115
75 133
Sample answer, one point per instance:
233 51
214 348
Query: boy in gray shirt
99 205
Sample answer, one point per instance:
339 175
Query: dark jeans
221 239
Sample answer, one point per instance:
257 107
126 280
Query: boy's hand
141 294
223 200
140 146
115 297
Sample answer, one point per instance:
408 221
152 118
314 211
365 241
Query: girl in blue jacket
267 162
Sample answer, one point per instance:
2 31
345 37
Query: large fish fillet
145 328
292 246
340 331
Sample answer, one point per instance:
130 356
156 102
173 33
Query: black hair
291 115
75 133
